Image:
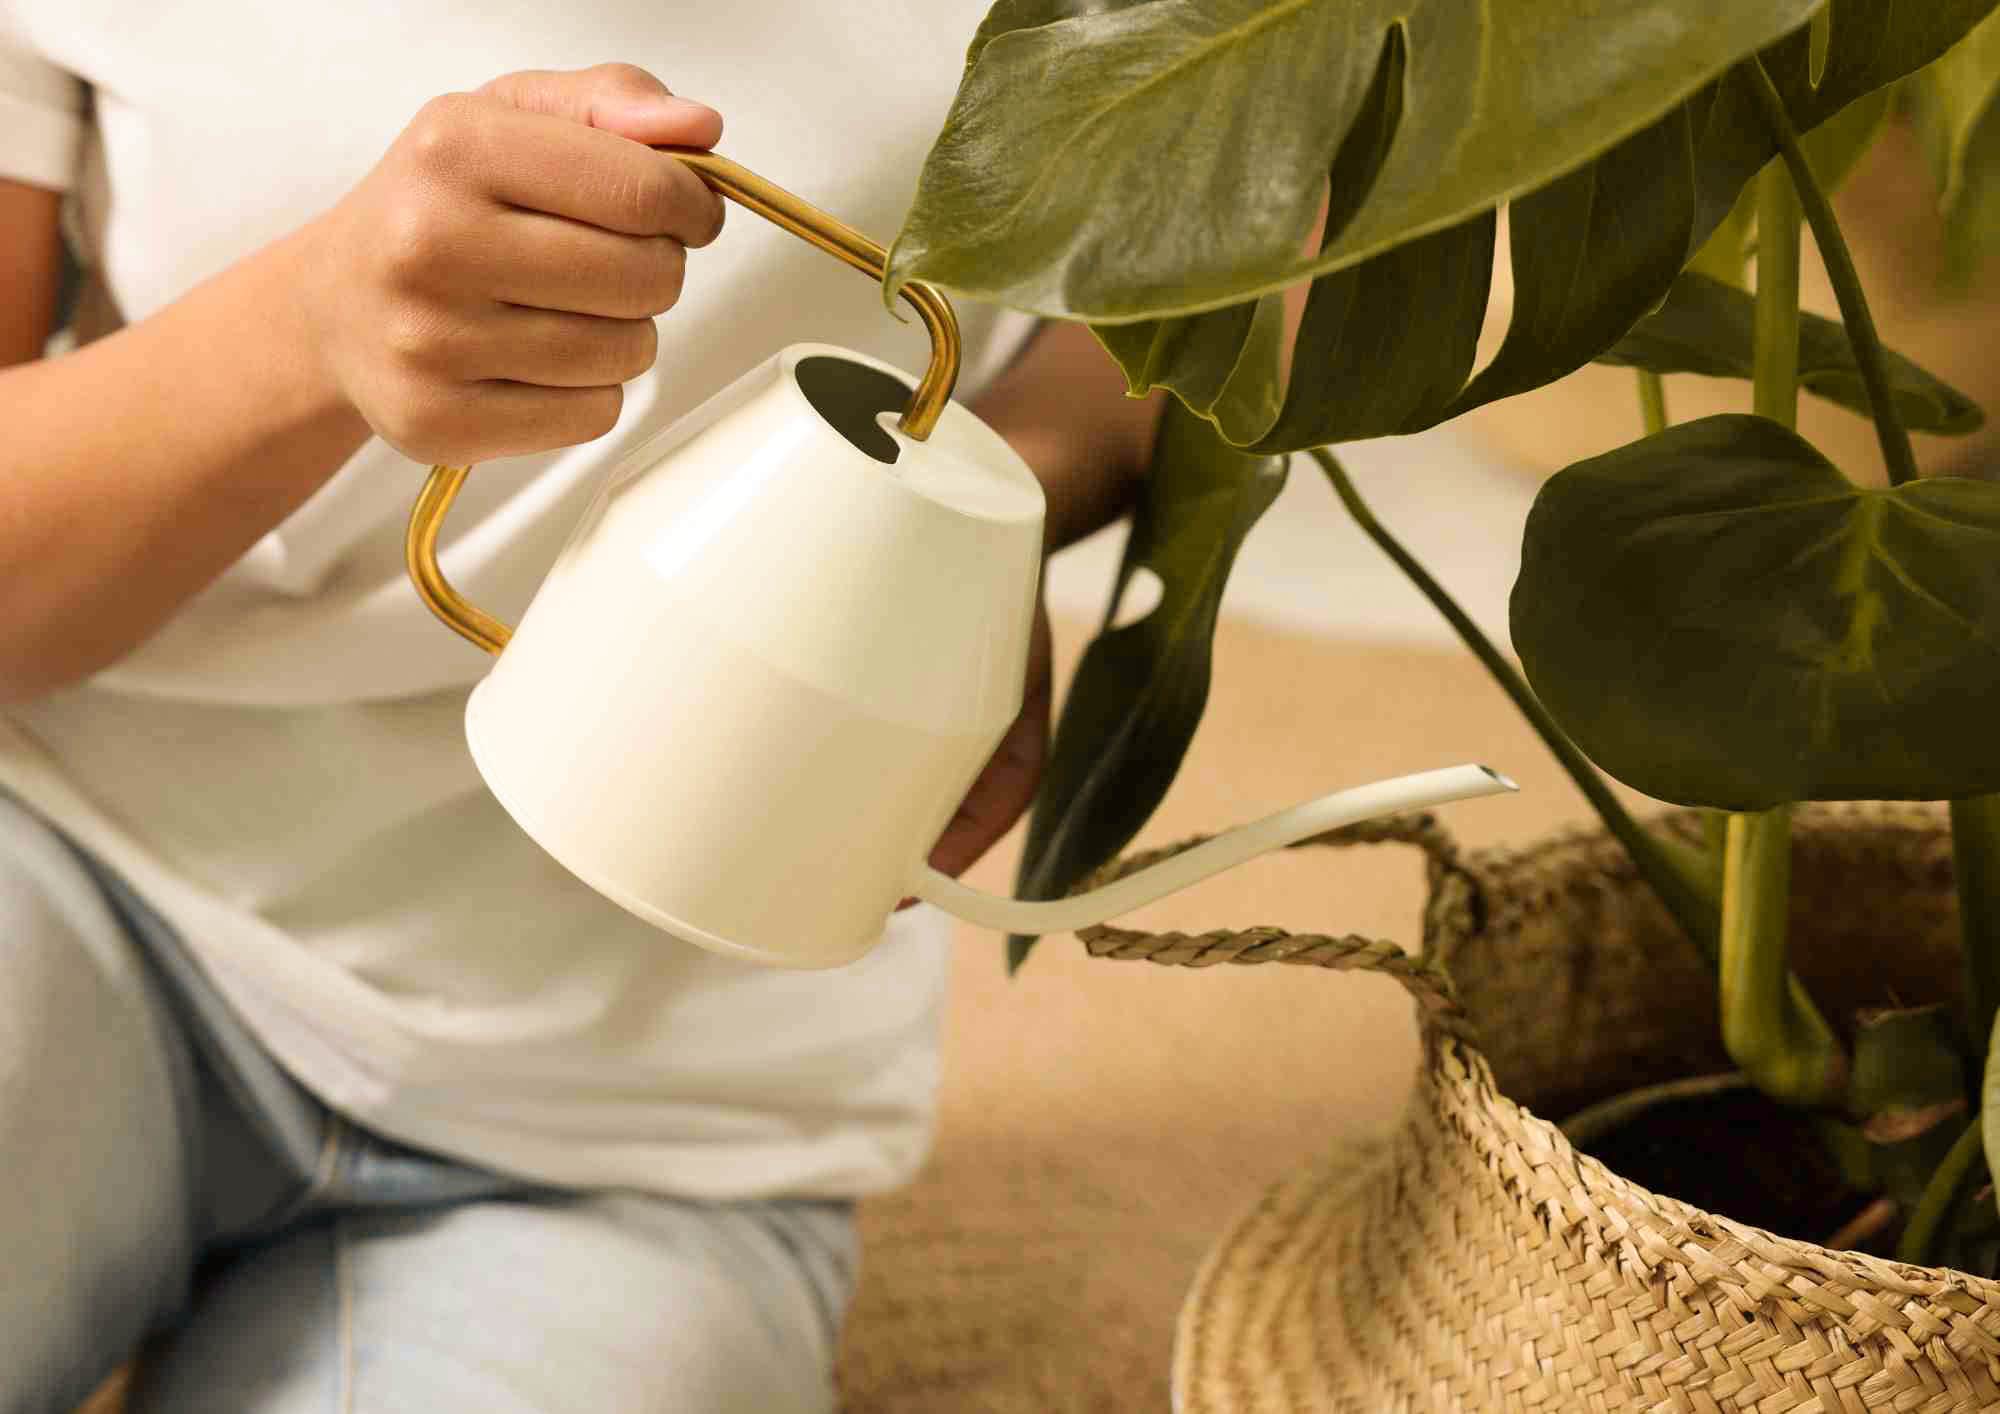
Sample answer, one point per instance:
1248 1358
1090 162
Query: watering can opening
850 397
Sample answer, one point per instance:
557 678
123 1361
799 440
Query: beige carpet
1101 1121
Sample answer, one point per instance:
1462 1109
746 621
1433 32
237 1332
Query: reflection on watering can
780 646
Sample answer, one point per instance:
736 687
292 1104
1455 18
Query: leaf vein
1923 592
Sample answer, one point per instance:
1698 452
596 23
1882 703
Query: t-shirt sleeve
41 116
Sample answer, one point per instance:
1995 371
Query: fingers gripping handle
1224 852
808 223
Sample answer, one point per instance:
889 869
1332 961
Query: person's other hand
487 288
1007 786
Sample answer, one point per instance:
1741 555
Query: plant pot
1474 1260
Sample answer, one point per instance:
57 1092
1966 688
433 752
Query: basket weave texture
1475 1261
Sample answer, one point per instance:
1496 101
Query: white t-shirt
281 769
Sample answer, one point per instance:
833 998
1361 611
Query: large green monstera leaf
1718 617
1150 165
1111 162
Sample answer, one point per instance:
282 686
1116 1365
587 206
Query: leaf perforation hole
1364 148
1138 597
1499 297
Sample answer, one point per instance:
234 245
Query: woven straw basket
1475 1261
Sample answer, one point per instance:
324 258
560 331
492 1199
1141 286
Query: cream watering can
780 646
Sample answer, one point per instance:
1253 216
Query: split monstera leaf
1155 168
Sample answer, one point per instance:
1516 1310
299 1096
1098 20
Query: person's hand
485 290
1007 786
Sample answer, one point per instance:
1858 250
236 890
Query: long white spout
1225 851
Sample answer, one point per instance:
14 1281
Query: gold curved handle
842 241
781 208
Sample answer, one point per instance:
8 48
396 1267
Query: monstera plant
1715 614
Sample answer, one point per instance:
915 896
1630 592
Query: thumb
619 98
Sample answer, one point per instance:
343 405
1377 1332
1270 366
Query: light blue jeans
160 1176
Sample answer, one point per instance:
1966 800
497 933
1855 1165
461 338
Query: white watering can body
767 667
780 646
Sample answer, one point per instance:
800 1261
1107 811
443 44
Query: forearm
138 468
1062 406
486 290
